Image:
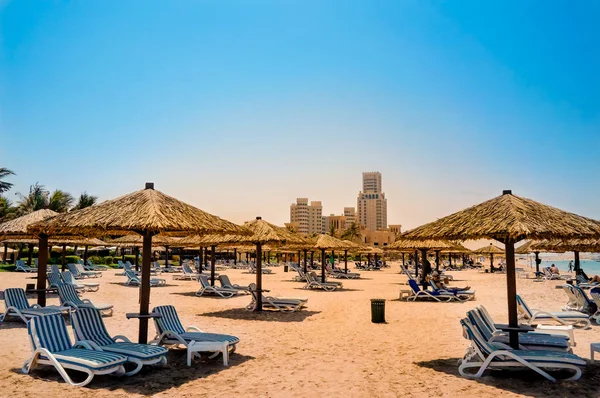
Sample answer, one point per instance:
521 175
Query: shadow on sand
527 382
268 316
151 380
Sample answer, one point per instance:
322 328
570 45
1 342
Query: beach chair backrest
523 307
67 277
15 297
20 264
169 320
71 267
49 332
186 269
67 293
80 268
595 293
478 323
473 334
225 282
128 263
252 288
54 268
583 301
581 279
131 275
486 317
414 285
120 264
203 279
88 325
54 279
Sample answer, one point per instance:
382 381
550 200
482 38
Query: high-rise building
307 217
350 213
371 203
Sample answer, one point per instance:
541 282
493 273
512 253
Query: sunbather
441 284
554 270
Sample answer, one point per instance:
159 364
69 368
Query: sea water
590 267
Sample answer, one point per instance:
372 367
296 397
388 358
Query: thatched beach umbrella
509 219
489 250
423 246
147 212
136 241
561 246
327 242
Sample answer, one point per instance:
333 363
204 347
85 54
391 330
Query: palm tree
84 201
4 172
7 211
60 201
36 200
352 232
332 230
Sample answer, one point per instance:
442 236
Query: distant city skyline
238 108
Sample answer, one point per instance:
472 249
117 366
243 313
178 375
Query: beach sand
329 349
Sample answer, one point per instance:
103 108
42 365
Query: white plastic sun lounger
67 278
134 280
69 298
88 326
52 345
206 288
16 304
440 295
313 282
483 355
275 303
533 316
171 333
226 283
21 266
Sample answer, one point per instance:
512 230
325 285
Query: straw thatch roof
66 240
135 240
144 210
265 232
410 245
18 226
329 242
489 249
508 217
561 246
525 248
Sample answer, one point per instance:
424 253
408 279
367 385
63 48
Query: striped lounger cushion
90 359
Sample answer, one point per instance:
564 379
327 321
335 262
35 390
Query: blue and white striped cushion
199 336
15 297
142 351
88 325
68 293
68 277
54 279
49 332
132 276
90 359
170 319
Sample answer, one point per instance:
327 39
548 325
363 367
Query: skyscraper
307 217
371 209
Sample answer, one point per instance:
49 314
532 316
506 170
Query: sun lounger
461 295
533 341
206 288
549 276
595 293
171 333
16 304
134 280
91 267
253 269
533 316
69 298
226 283
188 273
572 303
79 273
313 282
21 266
67 278
583 302
483 355
88 326
275 303
418 293
52 345
583 283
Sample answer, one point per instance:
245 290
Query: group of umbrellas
149 213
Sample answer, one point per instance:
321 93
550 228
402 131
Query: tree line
38 198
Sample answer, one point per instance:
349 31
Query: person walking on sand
571 266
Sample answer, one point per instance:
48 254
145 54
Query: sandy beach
329 349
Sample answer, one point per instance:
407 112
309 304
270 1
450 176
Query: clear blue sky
239 107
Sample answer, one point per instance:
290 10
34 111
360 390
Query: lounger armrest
88 345
36 306
193 329
122 338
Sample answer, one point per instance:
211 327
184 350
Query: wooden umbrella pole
212 265
416 263
323 265
258 278
166 256
235 256
41 271
5 253
137 260
145 287
345 261
511 291
199 266
305 260
85 251
577 263
30 246
537 263
491 262
64 259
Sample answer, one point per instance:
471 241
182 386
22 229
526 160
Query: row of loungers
95 351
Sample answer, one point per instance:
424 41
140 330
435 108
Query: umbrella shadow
265 315
208 296
525 381
150 380
338 290
137 287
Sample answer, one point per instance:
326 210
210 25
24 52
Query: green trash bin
285 268
378 310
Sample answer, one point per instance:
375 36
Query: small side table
564 330
208 346
594 347
403 293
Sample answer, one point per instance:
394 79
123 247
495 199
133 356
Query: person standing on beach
571 266
426 272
